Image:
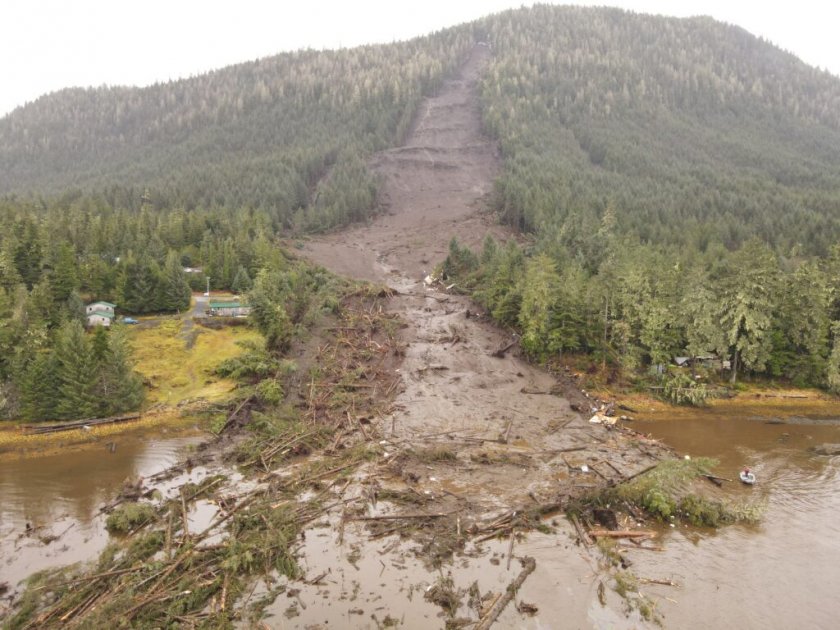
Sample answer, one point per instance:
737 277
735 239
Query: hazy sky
50 44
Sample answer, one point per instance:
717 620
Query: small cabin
707 361
100 314
228 308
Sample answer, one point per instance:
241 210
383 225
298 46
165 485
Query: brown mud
488 444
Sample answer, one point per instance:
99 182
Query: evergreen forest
678 180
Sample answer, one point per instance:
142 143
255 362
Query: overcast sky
47 45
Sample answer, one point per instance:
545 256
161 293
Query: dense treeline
680 178
78 376
57 255
643 307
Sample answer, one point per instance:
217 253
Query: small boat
747 477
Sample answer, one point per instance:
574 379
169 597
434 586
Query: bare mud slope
474 436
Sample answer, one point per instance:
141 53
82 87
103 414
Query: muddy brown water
781 573
60 494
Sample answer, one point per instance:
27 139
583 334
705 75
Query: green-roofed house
100 314
228 308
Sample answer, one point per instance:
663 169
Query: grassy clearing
179 365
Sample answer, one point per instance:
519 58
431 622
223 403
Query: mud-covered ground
474 437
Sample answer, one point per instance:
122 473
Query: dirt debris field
478 448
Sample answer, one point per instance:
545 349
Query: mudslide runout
515 443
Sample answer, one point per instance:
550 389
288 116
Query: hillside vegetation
679 175
287 134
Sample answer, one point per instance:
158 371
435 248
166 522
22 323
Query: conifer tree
174 290
40 388
242 281
536 313
77 371
745 298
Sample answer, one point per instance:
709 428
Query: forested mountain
695 131
681 178
262 134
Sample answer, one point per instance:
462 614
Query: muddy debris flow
481 446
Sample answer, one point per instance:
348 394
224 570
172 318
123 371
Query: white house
100 313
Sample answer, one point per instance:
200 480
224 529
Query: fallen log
581 532
537 392
715 477
641 472
528 566
639 547
622 533
395 517
35 429
655 581
500 353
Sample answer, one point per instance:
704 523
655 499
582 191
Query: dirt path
471 433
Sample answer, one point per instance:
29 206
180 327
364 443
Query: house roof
217 304
108 304
105 314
